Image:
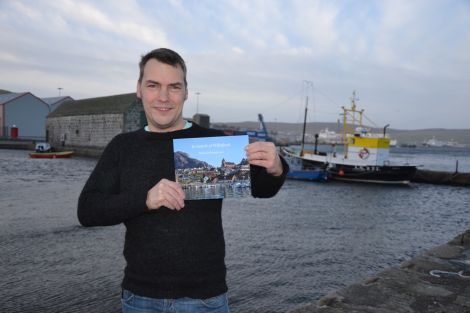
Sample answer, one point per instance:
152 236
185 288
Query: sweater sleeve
102 201
264 185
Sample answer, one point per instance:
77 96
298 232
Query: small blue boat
303 169
312 175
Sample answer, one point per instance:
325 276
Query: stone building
86 126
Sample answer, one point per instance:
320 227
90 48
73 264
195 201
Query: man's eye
177 87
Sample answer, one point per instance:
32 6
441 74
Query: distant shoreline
408 136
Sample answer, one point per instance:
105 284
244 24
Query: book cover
212 167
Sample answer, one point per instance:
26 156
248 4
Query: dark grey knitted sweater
169 254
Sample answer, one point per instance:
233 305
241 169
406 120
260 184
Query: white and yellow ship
365 155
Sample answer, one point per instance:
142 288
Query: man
174 248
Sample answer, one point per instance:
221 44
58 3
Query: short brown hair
166 56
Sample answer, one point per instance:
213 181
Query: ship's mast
351 118
307 84
303 131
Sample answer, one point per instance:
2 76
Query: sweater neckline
181 133
187 124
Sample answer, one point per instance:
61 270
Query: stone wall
436 281
90 131
133 116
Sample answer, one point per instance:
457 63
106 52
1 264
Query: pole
303 132
307 84
197 102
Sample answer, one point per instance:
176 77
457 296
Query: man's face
163 93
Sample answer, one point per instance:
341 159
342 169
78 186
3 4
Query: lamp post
197 101
60 90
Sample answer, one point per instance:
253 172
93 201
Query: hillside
416 136
183 160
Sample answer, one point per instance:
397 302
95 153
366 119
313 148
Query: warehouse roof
6 96
53 100
93 106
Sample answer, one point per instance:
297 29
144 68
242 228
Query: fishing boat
301 168
43 150
365 155
301 171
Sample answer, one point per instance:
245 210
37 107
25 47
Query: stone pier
442 178
437 280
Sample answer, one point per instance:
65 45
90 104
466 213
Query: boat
433 143
453 144
299 167
45 151
327 136
408 145
365 155
51 155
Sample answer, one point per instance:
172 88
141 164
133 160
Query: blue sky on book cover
213 149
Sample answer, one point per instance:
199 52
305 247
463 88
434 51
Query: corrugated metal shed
7 97
53 100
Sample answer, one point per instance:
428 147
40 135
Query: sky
213 149
408 61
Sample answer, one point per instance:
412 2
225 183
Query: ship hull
386 174
304 169
400 175
51 155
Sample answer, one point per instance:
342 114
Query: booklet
212 167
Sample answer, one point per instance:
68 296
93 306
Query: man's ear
186 95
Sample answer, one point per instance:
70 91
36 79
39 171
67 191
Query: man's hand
264 154
165 193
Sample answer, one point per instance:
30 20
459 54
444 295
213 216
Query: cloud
116 22
249 57
315 21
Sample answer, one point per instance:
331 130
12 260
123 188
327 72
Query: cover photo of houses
212 167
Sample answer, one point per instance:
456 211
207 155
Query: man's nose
163 94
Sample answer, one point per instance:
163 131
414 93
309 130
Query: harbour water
434 158
218 190
309 240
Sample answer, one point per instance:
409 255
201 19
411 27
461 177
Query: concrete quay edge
437 280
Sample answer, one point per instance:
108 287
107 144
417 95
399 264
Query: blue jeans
132 303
